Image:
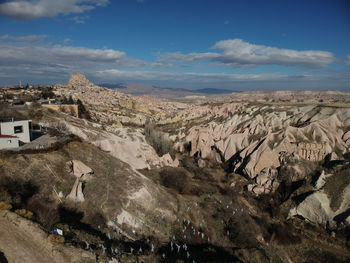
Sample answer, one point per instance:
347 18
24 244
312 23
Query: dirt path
23 241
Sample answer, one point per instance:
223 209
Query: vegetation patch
55 239
5 206
24 213
175 178
158 140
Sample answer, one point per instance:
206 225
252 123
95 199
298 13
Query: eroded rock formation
82 174
265 183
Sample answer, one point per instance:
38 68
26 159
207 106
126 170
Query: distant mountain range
139 89
113 86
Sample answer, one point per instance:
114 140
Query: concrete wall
67 108
8 143
8 128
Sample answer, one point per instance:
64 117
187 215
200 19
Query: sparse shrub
158 140
12 113
282 234
57 129
4 195
199 173
35 113
19 190
24 213
47 93
45 212
175 178
189 164
195 190
243 230
96 220
55 239
5 206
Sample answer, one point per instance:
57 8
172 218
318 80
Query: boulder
258 189
201 163
265 182
315 208
166 160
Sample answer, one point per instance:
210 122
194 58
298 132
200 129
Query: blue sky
233 44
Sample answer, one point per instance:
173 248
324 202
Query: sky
226 44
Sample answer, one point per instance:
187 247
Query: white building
8 142
18 128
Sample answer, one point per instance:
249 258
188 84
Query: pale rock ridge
127 145
316 209
253 138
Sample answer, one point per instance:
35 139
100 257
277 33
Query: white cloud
238 53
23 38
190 57
47 8
347 61
36 54
80 19
84 54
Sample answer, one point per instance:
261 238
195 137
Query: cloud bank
239 53
47 8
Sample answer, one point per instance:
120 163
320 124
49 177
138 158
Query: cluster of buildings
15 95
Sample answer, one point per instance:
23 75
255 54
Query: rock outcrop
265 183
82 174
317 208
167 160
78 80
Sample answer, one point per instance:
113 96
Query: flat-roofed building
8 142
18 128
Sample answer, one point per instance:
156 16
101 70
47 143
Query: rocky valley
245 177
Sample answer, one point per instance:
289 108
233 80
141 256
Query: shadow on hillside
3 259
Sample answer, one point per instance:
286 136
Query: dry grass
55 239
5 206
24 213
